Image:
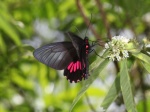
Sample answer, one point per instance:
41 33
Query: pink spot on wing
75 67
70 65
71 69
87 46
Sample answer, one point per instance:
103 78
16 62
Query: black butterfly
70 56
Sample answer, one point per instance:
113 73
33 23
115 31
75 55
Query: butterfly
71 56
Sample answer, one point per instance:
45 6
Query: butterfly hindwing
74 71
78 68
56 55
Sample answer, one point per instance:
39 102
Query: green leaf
142 57
95 64
8 29
143 105
126 87
27 47
89 81
3 46
112 93
146 66
133 47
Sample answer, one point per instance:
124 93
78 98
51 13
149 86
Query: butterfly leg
93 50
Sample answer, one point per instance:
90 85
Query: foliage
29 86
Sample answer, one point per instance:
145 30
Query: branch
129 22
104 19
87 22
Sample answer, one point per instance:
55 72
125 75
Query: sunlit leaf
95 64
142 57
112 93
89 81
143 105
19 80
133 47
146 66
126 88
28 47
96 91
2 45
8 29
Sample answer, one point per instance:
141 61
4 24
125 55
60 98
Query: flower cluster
117 49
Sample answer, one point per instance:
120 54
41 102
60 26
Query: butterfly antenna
88 25
78 30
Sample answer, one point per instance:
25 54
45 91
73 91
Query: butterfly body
70 56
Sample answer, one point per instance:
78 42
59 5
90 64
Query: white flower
106 46
117 48
125 53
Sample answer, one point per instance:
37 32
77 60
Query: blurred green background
26 85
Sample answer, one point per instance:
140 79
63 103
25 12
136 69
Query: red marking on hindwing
87 46
70 65
73 67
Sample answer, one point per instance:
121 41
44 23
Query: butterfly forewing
56 55
77 42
